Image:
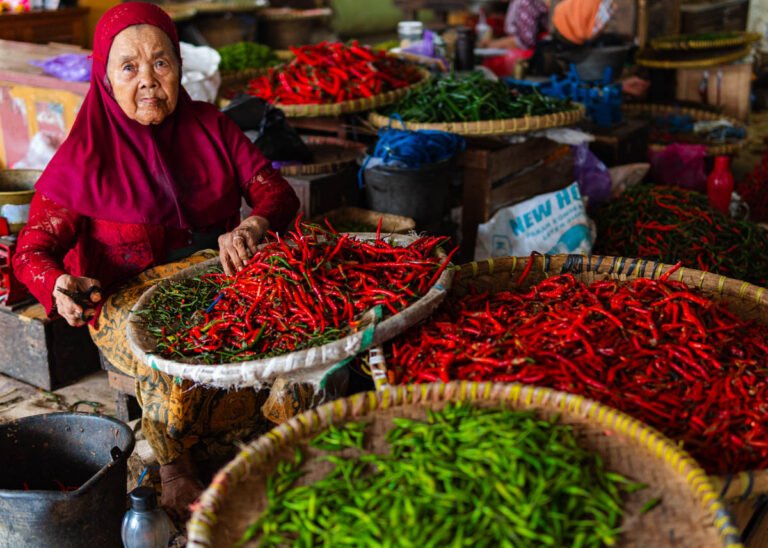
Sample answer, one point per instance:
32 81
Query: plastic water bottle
145 525
483 30
720 185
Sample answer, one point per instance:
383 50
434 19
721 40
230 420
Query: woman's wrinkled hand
238 246
76 310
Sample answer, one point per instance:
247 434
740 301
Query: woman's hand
75 310
238 246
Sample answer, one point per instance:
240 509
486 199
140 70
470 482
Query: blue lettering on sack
528 220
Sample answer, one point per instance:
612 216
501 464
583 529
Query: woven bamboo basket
390 223
652 109
487 128
310 365
693 59
233 81
286 27
690 513
330 154
355 105
744 299
684 42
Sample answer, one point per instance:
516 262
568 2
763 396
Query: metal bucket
41 455
421 194
16 191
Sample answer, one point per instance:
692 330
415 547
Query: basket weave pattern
355 105
690 513
699 115
684 43
486 128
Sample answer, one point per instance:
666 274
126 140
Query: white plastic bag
200 72
42 147
550 223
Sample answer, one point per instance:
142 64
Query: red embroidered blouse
58 241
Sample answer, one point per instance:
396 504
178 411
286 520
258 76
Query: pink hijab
178 174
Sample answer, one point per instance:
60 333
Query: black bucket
63 480
420 193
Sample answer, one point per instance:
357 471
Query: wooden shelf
65 25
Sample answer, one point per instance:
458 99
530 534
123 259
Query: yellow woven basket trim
759 294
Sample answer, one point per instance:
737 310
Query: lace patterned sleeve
43 242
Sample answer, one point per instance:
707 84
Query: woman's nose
147 77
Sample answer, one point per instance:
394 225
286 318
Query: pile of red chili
307 289
332 73
669 224
753 189
655 349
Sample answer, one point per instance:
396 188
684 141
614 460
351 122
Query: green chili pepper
507 478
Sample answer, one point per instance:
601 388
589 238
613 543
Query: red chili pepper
656 349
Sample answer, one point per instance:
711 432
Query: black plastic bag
268 128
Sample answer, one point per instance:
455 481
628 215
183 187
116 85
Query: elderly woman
147 176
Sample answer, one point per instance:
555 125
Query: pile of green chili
471 98
245 55
465 476
669 224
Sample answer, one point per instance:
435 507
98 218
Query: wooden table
65 25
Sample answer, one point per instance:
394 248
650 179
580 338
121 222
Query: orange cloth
575 19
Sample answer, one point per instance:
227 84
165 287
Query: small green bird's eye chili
465 476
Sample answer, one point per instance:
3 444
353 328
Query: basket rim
526 397
715 149
325 167
507 126
712 61
742 485
355 105
685 42
312 360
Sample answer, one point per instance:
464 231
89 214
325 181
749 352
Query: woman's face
144 73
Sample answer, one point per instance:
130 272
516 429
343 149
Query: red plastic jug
720 185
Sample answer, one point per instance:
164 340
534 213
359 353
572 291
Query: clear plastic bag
73 67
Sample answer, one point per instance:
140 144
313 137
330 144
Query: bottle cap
143 499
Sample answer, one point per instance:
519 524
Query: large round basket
695 59
494 275
329 154
355 105
233 81
488 128
640 110
700 41
286 27
690 513
309 365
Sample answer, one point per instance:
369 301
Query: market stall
423 291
